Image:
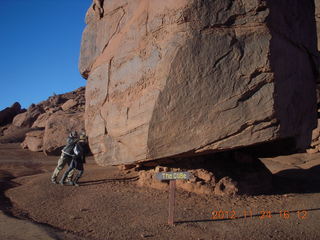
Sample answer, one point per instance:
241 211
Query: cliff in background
46 125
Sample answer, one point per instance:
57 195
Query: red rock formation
7 114
27 118
185 77
46 125
34 141
57 129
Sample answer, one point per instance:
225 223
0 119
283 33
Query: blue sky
39 49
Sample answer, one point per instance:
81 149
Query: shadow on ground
95 182
297 181
301 214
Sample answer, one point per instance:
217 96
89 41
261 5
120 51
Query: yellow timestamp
263 214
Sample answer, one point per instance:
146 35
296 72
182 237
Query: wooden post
172 177
172 188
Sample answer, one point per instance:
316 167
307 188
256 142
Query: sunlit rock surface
167 78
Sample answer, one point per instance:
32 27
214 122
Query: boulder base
223 174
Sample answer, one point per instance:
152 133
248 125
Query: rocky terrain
223 174
110 204
45 126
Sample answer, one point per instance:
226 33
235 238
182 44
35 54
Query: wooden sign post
172 177
172 193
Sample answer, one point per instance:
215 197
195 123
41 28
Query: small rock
161 169
144 235
126 166
312 150
226 187
69 104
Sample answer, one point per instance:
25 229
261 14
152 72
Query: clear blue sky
39 49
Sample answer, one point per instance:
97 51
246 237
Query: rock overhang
196 76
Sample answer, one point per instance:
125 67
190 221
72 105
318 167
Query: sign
172 177
162 176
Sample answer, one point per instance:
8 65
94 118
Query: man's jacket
68 149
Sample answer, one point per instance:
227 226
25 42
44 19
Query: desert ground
109 205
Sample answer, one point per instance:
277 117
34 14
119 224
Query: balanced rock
189 76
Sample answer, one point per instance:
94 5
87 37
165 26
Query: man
77 162
66 157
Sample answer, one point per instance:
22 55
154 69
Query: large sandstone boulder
58 126
33 141
69 104
27 118
13 134
42 120
7 114
167 78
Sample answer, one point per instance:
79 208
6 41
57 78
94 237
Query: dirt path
109 205
15 229
15 224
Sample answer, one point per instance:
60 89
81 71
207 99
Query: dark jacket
79 153
68 149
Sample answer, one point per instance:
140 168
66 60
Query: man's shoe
69 183
76 184
62 182
54 181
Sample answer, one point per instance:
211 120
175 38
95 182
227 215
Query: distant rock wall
7 114
46 125
167 78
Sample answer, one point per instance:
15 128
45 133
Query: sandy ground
109 205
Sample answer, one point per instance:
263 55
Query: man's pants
63 160
72 168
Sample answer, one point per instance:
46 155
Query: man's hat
73 134
82 137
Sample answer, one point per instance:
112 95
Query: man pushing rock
78 160
66 157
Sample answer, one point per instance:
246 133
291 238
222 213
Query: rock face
189 76
7 114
